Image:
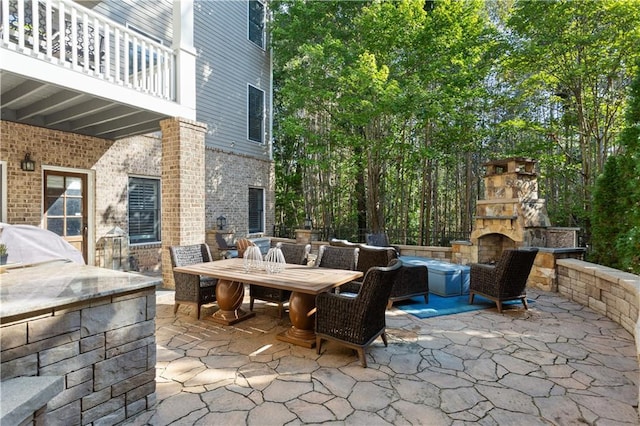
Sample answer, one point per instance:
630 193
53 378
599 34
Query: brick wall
228 178
226 183
104 348
48 147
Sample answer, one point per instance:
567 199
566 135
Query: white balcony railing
65 33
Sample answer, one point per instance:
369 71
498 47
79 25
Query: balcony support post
183 187
185 54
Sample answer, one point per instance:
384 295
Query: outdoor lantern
28 165
221 221
308 223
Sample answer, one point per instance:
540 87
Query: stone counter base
104 348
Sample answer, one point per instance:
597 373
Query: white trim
91 207
3 190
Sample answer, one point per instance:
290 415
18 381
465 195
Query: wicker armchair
413 280
337 257
192 289
293 253
356 321
507 280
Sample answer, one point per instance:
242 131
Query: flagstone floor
558 363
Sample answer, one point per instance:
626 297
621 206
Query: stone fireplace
511 215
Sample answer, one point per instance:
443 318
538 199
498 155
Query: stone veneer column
183 187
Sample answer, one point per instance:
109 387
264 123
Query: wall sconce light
221 221
28 165
308 223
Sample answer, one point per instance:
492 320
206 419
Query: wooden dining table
304 282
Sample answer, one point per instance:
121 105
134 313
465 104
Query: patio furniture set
341 297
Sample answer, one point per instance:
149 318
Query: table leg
229 296
302 330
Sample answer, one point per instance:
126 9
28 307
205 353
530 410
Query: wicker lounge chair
225 249
293 253
192 289
506 280
356 321
378 240
337 257
413 280
368 257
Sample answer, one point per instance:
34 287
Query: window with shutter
256 210
144 210
255 117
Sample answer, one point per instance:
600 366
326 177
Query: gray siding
152 17
227 63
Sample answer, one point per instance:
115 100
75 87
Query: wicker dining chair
241 245
293 253
357 321
506 280
192 289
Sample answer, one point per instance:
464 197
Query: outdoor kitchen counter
92 328
41 287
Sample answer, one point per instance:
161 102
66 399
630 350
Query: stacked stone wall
104 348
608 291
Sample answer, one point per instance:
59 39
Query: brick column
183 187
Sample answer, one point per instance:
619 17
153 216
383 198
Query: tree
616 213
582 56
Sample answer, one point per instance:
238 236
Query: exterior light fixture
28 165
308 223
221 221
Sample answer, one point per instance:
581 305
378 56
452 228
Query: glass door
65 207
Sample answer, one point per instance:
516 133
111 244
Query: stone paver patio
557 363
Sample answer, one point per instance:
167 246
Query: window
144 210
255 114
256 23
256 210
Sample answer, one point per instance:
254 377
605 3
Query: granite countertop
60 282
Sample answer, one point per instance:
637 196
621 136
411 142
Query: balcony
65 67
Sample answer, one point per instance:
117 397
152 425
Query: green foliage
609 213
385 110
616 213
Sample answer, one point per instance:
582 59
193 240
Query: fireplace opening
491 246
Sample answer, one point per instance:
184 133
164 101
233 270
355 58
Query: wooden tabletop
300 278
